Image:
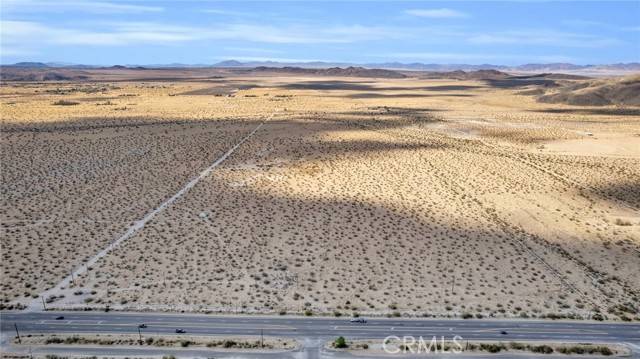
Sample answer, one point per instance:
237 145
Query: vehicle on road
357 320
142 326
60 318
503 332
180 331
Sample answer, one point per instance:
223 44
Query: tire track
36 303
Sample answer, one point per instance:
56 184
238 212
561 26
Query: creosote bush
340 343
66 103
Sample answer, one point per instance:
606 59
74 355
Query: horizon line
54 64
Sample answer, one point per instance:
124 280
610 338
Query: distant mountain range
416 66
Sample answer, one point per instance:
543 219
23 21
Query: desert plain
408 196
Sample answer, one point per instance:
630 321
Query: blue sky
111 32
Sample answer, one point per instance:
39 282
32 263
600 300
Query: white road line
36 304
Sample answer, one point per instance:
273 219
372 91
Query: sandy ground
377 196
234 342
626 145
399 347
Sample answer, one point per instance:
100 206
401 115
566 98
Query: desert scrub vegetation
585 349
122 201
490 347
623 222
159 341
12 306
244 344
334 187
65 103
625 311
542 348
340 343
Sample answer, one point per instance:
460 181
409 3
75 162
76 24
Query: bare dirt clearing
390 196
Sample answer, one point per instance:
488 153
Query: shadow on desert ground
594 111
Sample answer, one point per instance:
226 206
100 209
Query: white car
358 320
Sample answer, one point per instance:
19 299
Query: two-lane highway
315 328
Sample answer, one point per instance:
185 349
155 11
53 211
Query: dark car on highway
60 318
180 331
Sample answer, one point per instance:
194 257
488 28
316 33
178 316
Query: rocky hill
596 93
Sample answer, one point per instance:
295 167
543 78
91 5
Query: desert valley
398 193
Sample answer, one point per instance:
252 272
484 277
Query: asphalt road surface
311 332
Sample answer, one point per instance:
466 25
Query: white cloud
15 51
130 33
459 57
24 37
256 50
435 56
97 7
265 59
301 34
33 34
227 12
437 13
543 37
30 34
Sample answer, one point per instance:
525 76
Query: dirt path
63 286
